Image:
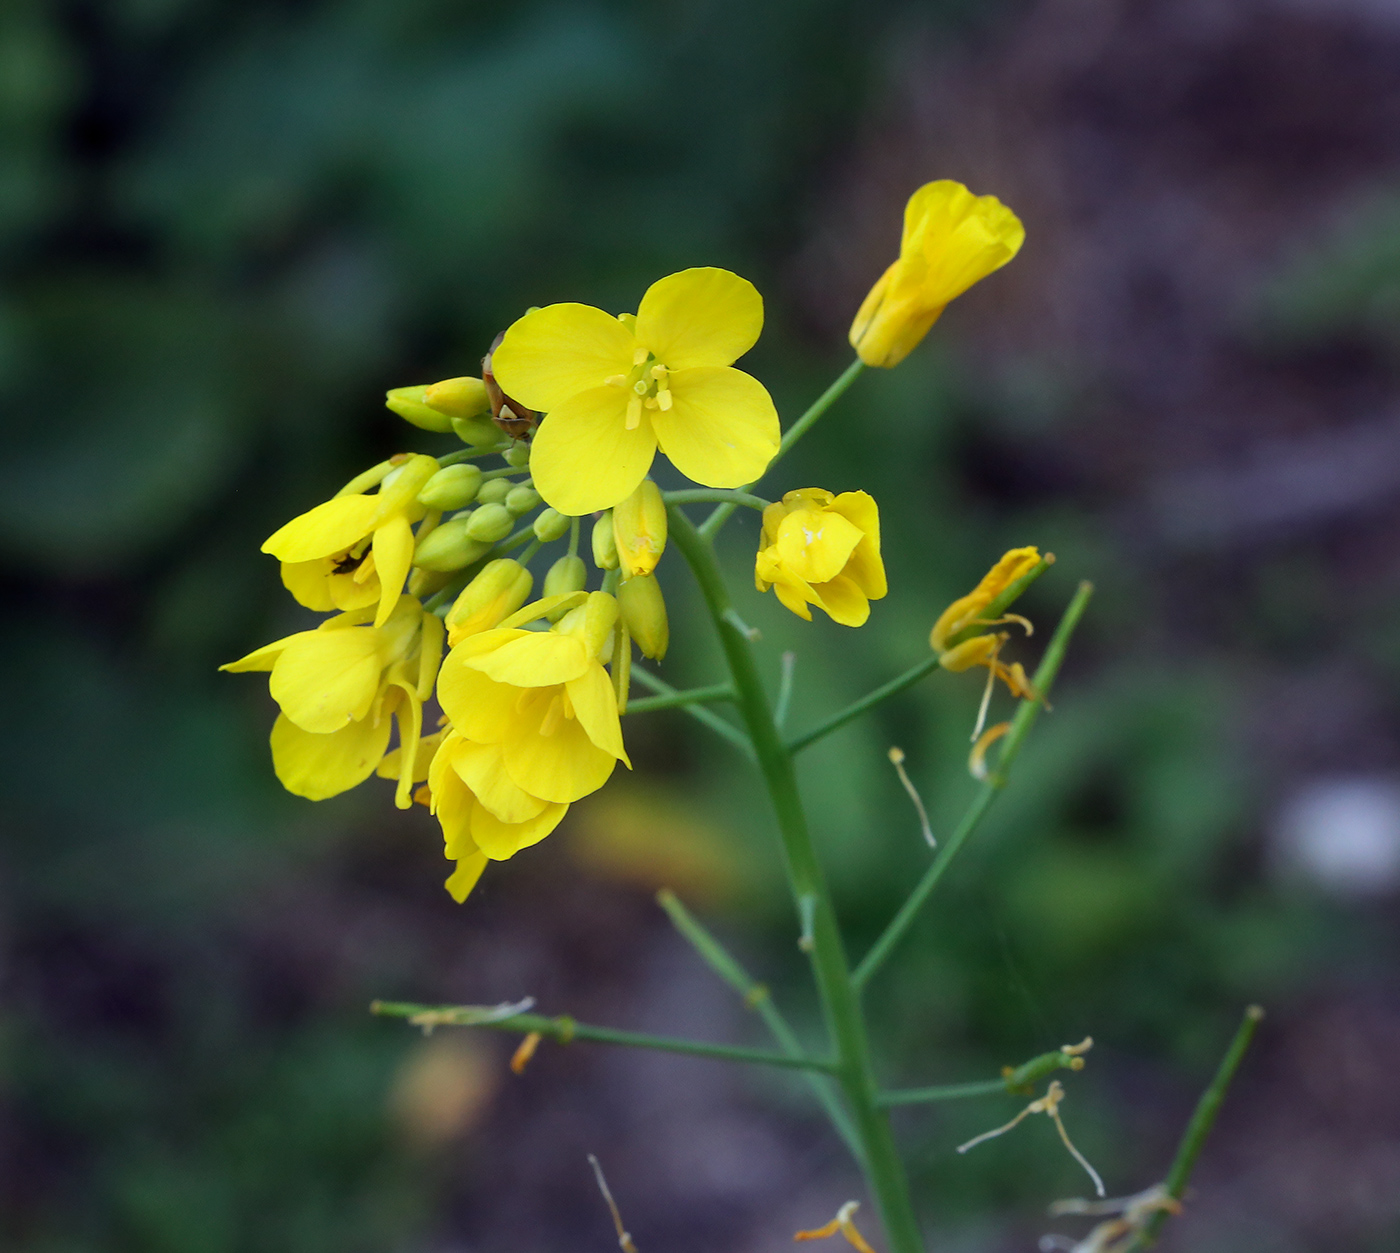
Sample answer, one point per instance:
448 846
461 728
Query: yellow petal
479 766
349 592
409 716
559 767
321 766
454 805
702 316
584 458
327 678
265 658
595 707
842 599
499 840
815 545
961 238
329 528
722 429
393 554
794 595
534 659
390 766
480 708
461 881
309 583
557 352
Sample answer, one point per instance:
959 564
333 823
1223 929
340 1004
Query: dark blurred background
227 227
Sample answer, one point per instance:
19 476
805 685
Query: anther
663 399
521 1057
634 413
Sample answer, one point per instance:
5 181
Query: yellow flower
340 687
498 590
952 239
617 388
823 550
538 705
355 549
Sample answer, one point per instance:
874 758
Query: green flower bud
604 545
566 575
452 487
551 525
478 431
644 612
490 523
494 491
458 398
409 404
520 500
518 454
449 547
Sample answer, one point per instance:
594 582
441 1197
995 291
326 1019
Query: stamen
977 759
663 399
521 1057
650 403
639 356
897 760
554 717
1049 1104
624 1240
986 694
615 380
842 1223
634 413
659 371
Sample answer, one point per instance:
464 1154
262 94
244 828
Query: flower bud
409 404
490 523
592 621
478 431
518 454
604 544
458 398
402 485
568 574
494 491
551 525
449 547
644 612
452 487
520 500
497 592
639 529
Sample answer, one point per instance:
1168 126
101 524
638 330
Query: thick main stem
840 1004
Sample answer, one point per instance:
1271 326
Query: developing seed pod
494 491
551 525
604 544
644 613
449 547
510 415
452 487
490 523
520 500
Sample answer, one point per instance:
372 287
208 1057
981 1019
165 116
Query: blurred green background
226 228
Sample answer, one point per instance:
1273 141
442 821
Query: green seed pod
408 403
478 431
452 487
520 500
518 454
449 547
550 525
490 523
604 545
494 491
644 612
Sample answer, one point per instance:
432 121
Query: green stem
710 528
563 1029
699 495
882 693
1020 1081
943 1092
505 472
840 1003
785 677
573 536
725 730
1199 1128
452 458
1021 724
691 696
757 997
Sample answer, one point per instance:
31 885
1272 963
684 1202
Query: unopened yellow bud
495 491
605 555
452 487
401 486
639 530
489 599
490 523
644 612
449 547
520 500
458 398
409 404
551 525
568 574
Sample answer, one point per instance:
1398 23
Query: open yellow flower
823 550
952 239
340 688
617 388
538 705
355 549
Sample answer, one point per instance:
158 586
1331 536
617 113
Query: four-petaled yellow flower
951 240
615 389
823 550
340 687
355 549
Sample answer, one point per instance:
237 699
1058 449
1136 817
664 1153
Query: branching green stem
1020 1081
725 730
840 1003
472 454
563 1029
690 696
863 705
1021 724
699 495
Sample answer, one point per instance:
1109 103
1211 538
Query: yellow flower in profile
823 550
355 549
616 389
952 239
341 687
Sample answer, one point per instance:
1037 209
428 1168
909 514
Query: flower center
647 385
